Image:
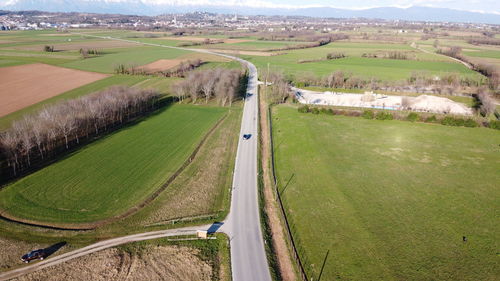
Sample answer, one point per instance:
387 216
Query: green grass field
129 56
113 174
384 69
390 200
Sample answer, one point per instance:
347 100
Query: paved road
98 247
248 256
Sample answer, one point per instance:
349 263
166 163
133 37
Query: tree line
418 81
40 137
178 71
488 70
222 84
278 87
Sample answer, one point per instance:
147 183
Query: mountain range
141 7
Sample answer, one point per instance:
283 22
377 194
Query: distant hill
141 7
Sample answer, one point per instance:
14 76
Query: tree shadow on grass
61 153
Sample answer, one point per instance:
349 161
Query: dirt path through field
282 253
99 246
157 263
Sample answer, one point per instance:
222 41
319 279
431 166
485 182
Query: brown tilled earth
154 263
162 64
28 84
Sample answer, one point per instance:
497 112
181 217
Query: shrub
303 109
330 111
470 123
314 110
412 117
384 116
431 119
450 121
368 114
494 124
48 48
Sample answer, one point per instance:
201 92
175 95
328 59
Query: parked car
39 254
247 136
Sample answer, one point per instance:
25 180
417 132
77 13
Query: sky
490 6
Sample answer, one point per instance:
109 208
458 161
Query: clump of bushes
368 114
382 115
494 124
459 122
314 110
48 48
334 56
86 53
412 117
431 119
303 109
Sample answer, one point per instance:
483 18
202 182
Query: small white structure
202 234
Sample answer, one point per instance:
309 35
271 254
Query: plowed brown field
25 85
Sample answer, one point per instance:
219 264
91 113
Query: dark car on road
247 136
39 254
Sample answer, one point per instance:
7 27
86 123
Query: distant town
37 20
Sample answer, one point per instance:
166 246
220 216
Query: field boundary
296 255
132 210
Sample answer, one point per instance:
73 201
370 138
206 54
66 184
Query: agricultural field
121 170
384 69
124 80
24 85
389 200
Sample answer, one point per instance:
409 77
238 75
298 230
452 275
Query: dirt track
51 261
28 84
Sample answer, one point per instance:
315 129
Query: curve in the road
248 257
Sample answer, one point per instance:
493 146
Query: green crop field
389 200
255 45
129 56
384 69
113 174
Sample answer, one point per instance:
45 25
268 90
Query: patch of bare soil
272 210
154 263
28 84
204 57
161 65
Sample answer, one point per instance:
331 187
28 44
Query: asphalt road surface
248 256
